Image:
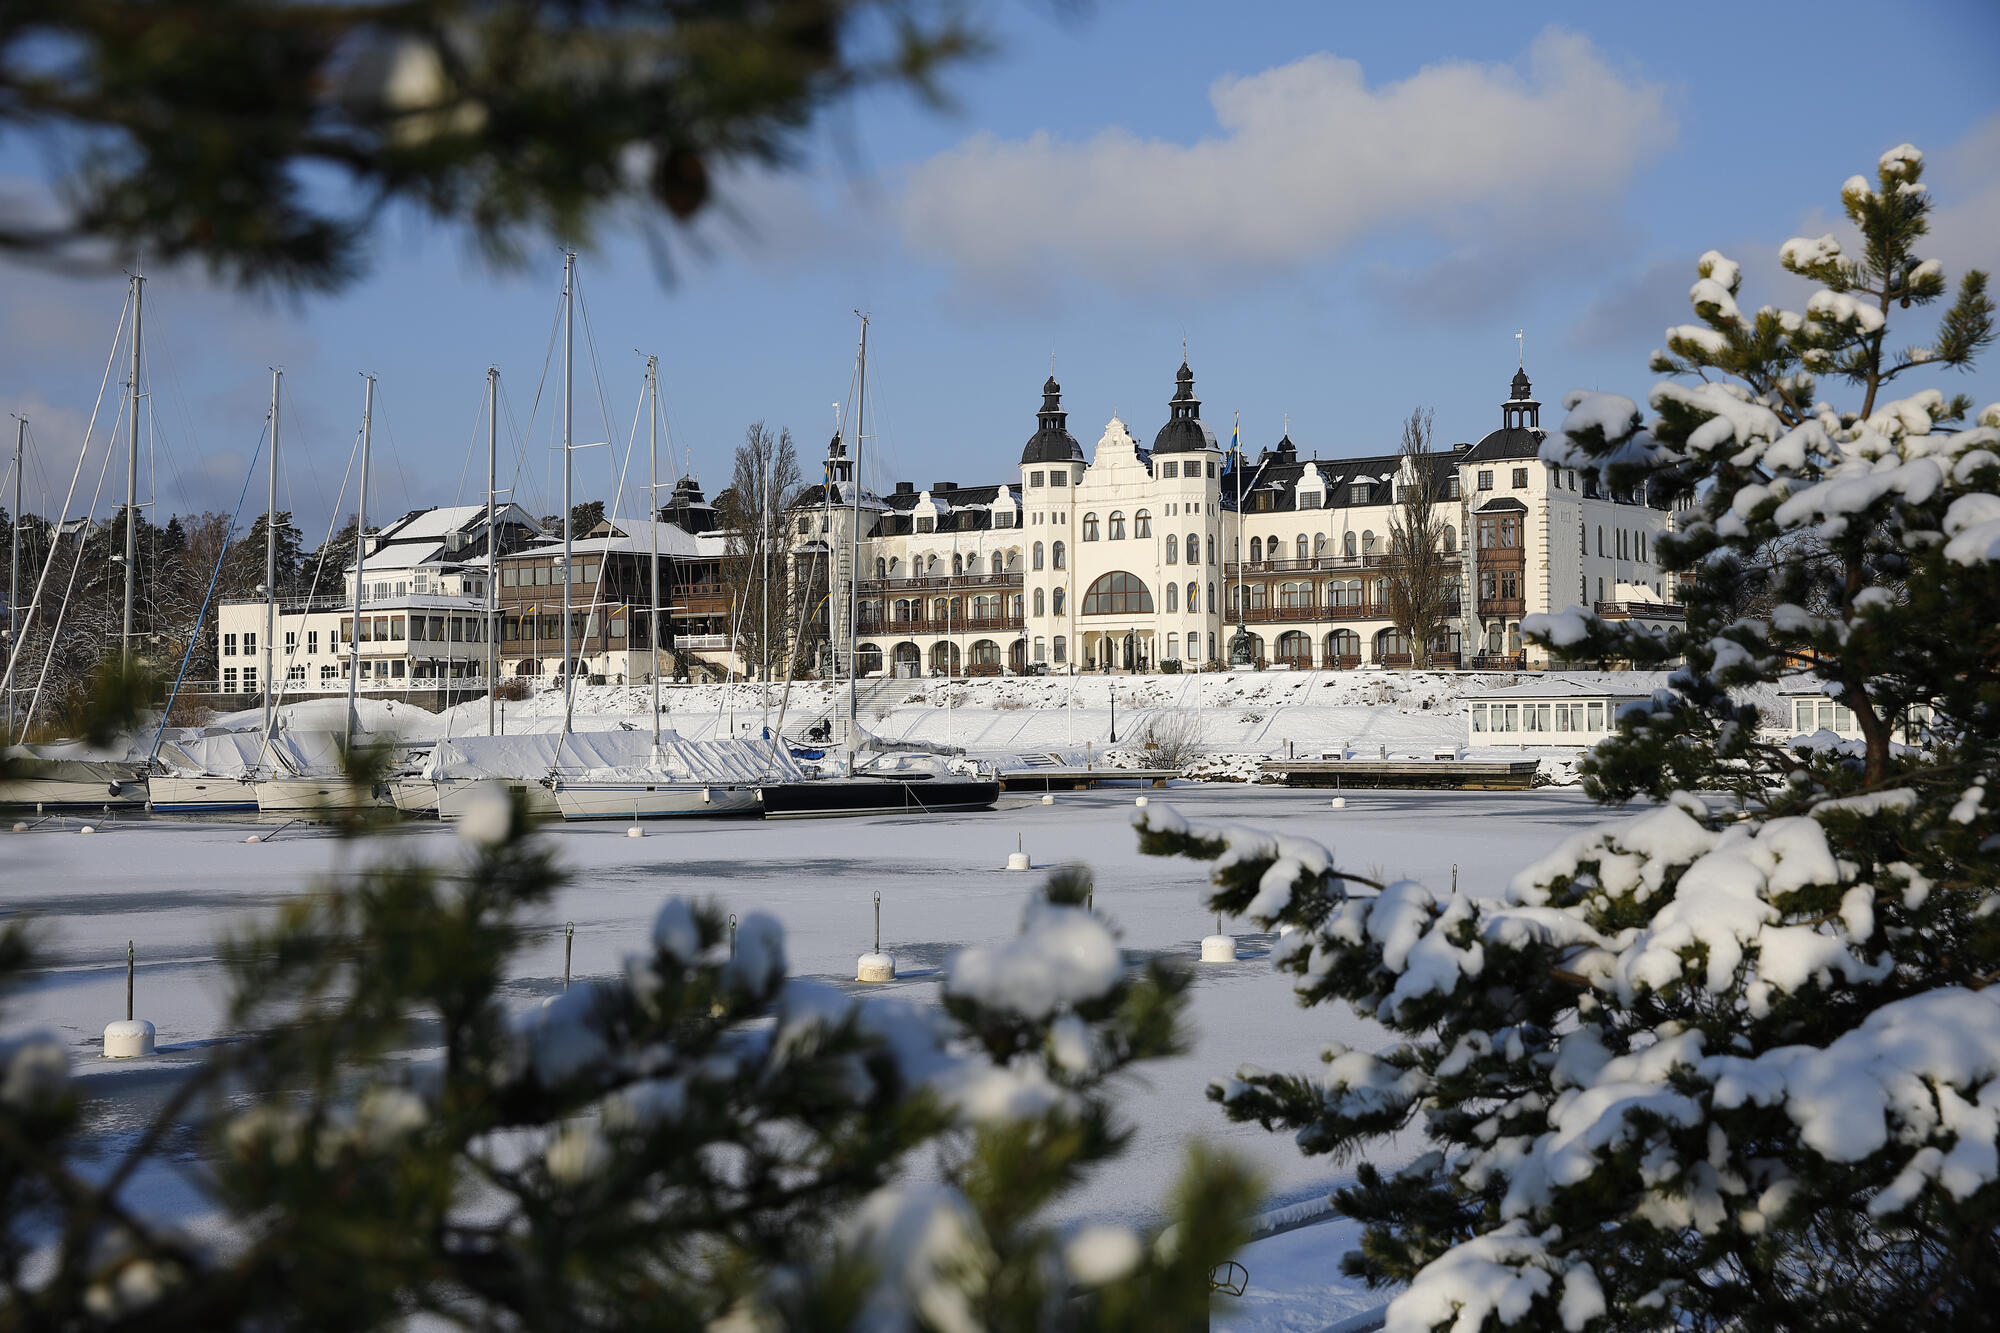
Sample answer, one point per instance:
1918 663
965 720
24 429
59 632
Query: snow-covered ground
177 888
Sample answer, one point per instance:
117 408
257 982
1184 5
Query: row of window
1170 470
1581 716
538 576
1625 545
1306 593
1316 547
925 566
1056 478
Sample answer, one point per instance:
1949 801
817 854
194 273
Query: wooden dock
1435 774
1062 777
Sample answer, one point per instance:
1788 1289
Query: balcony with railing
938 583
953 625
1642 610
1282 615
1319 564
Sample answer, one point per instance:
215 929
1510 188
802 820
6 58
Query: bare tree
763 484
1420 587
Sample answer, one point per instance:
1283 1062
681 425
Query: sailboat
678 779
857 791
68 775
292 791
203 790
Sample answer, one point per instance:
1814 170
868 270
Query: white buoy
1339 802
1048 798
20 828
635 832
253 838
1018 858
86 829
1218 948
1140 802
876 966
127 1037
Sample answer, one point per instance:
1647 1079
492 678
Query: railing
1502 555
1502 606
1314 565
1272 615
893 587
1649 610
939 624
1499 662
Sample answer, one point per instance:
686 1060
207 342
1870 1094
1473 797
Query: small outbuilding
1550 712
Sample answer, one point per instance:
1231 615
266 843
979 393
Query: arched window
1301 548
998 564
1117 525
1173 549
1038 602
1256 549
881 569
1118 594
1294 648
1319 544
868 659
1090 527
1211 548
1450 539
1367 542
1343 648
1173 599
1600 539
1193 598
1347 545
986 653
957 564
1173 645
1058 557
903 605
944 657
941 608
1038 555
1142 523
1193 548
1056 600
1041 650
1295 594
1391 643
1211 596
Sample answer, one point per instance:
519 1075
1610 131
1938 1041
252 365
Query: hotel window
249 645
1142 523
1194 597
1035 479
1486 479
1451 487
295 675
312 642
1168 470
1058 478
1061 648
1041 650
1116 526
1520 478
328 671
1173 549
1211 548
229 680
1056 598
1300 546
1357 494
396 628
1479 717
249 678
1596 720
1173 641
229 645
1347 545
1037 559
1192 550
1173 599
1058 558
1039 603
291 642
1090 527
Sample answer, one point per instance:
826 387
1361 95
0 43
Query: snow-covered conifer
1731 1061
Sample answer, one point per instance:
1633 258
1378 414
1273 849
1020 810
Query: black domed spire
1184 431
1052 442
1522 389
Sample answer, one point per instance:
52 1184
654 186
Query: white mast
854 537
132 473
569 352
271 566
360 563
653 527
14 566
492 544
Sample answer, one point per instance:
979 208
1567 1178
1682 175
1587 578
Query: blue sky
1347 211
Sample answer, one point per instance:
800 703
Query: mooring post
732 934
1454 877
128 981
878 921
569 948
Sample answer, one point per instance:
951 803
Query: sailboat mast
14 565
492 541
653 527
132 473
271 564
854 539
360 561
569 355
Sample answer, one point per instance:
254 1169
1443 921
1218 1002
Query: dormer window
926 524
1058 478
1357 494
1169 470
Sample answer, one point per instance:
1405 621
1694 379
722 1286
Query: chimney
937 487
906 488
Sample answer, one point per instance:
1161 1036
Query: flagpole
1236 446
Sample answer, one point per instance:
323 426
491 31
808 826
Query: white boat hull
584 799
414 796
171 794
71 794
456 795
294 796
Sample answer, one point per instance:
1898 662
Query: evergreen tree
1727 1063
696 1141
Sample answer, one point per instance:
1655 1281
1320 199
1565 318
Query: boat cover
612 756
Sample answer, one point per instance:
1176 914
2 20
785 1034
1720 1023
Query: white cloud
1310 161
